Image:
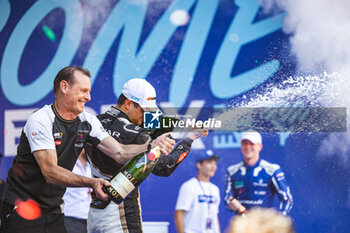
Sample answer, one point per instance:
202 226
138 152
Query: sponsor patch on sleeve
182 156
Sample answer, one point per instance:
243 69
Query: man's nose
88 96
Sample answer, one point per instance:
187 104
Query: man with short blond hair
254 181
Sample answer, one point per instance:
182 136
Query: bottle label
155 153
122 185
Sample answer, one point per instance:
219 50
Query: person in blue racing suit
254 181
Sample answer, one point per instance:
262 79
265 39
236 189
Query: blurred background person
197 205
254 181
261 220
77 200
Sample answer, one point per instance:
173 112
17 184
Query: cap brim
150 108
252 141
213 157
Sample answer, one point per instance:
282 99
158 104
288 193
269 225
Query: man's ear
198 165
64 86
127 104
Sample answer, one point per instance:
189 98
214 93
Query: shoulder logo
105 121
113 111
280 176
37 133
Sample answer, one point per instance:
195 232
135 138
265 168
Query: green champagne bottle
132 174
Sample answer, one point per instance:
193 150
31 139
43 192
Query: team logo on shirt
260 193
239 184
58 135
260 183
79 144
81 137
113 133
57 142
206 198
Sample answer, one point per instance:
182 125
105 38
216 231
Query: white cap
252 136
142 92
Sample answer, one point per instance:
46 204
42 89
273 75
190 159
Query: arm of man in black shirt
55 174
123 153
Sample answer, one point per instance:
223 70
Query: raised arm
119 152
166 165
123 153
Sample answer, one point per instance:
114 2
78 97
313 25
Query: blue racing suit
257 185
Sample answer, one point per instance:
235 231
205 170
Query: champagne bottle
132 174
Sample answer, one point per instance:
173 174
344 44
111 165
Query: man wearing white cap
141 92
123 123
254 181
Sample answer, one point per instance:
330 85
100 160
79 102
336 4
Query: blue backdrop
228 51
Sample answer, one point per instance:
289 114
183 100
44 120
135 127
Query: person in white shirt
77 200
197 205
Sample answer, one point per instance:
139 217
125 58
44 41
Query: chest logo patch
58 135
239 184
57 142
206 199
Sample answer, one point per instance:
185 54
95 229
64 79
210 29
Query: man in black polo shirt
50 143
